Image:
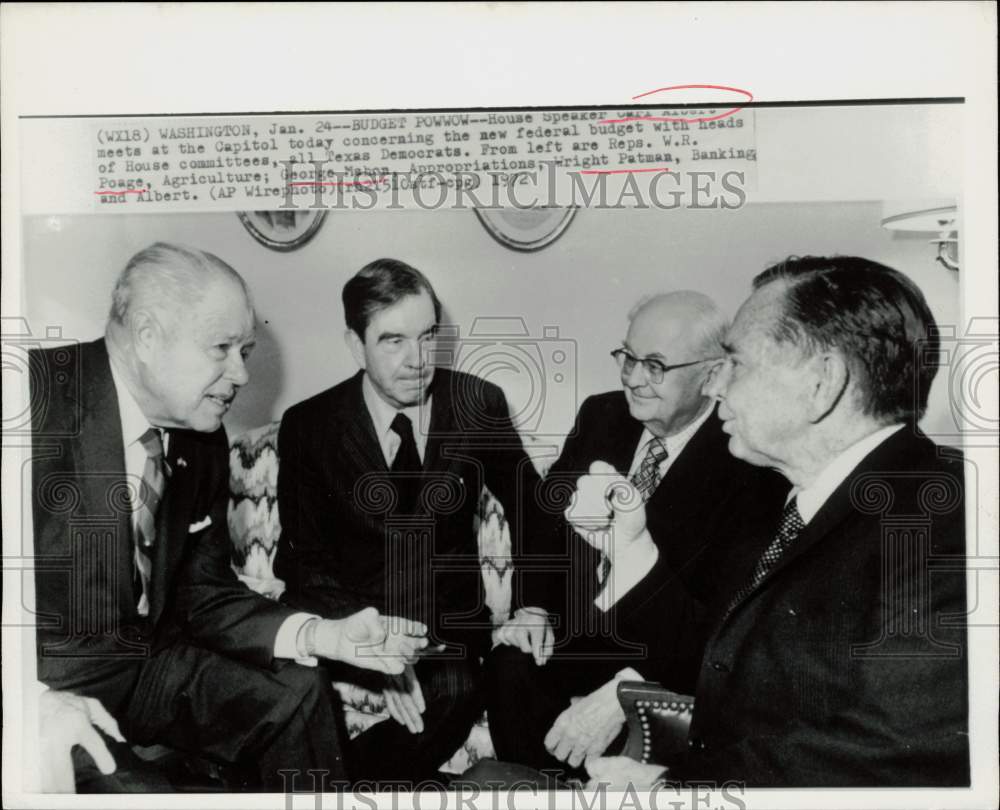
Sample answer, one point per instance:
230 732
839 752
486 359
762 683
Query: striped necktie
150 494
647 477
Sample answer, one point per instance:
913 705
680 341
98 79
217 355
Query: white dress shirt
637 559
134 424
812 498
382 414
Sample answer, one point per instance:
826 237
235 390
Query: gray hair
708 322
169 277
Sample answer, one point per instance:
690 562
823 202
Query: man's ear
708 385
145 332
830 378
356 345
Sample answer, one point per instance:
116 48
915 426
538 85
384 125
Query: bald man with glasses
593 611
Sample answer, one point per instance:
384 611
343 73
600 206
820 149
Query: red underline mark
336 183
620 171
731 111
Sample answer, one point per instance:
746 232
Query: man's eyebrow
390 336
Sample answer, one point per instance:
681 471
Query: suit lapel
103 484
837 509
688 477
442 423
357 431
176 509
625 432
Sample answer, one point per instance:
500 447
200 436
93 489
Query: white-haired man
637 611
841 661
139 609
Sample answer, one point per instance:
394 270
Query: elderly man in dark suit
138 606
841 661
379 481
640 610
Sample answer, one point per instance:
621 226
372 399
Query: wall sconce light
939 219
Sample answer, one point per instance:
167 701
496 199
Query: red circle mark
124 191
620 171
731 111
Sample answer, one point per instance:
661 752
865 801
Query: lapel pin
181 462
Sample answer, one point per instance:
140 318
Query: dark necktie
154 480
406 466
790 526
647 477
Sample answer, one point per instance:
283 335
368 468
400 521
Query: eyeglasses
655 370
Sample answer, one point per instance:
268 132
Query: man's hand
66 720
606 510
587 727
405 700
530 630
619 773
382 643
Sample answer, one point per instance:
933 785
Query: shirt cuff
628 674
628 568
286 642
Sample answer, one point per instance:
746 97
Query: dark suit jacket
343 546
669 612
847 664
91 639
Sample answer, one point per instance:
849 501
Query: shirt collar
382 413
677 441
835 473
133 420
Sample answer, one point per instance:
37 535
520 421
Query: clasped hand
607 510
530 630
587 727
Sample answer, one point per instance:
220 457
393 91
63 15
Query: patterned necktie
647 477
150 493
406 464
790 526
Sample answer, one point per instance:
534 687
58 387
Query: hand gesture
66 720
587 727
620 773
606 509
405 700
370 641
530 630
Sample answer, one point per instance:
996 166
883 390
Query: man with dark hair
139 611
629 611
379 481
842 659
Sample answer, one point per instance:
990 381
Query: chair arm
658 720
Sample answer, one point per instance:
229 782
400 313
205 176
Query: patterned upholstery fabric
255 528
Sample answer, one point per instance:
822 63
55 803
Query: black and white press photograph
581 451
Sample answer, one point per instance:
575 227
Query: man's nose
634 378
236 370
414 353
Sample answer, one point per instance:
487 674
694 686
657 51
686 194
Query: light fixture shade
934 216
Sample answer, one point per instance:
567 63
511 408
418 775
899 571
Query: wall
582 286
